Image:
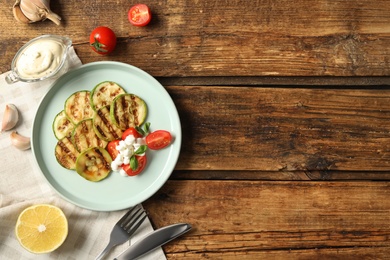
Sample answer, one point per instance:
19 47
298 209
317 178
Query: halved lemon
41 228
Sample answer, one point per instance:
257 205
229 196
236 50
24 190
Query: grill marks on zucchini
128 110
84 136
78 106
62 126
89 121
104 126
66 153
104 93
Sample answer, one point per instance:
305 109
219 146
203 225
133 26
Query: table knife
153 240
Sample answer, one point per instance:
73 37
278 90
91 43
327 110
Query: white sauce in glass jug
40 59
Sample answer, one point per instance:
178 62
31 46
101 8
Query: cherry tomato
102 40
142 160
158 139
111 148
131 131
139 15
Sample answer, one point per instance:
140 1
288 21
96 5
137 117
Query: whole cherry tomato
102 40
141 163
158 139
139 15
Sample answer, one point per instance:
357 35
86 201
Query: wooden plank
276 219
226 38
290 82
282 129
281 175
308 254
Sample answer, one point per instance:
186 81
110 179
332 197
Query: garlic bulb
19 141
30 11
10 117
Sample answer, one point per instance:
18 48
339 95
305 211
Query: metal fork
124 229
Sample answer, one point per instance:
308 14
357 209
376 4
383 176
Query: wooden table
285 110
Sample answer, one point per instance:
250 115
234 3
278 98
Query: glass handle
11 78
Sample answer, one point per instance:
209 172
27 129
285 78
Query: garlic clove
18 14
19 141
10 118
55 18
45 8
34 11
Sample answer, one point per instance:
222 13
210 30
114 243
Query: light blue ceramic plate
115 192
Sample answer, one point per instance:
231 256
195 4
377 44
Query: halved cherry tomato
139 15
158 139
131 131
111 148
142 160
102 40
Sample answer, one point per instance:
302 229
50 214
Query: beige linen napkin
22 185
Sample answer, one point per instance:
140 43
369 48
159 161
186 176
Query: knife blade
153 240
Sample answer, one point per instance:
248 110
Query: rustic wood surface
276 219
285 110
226 38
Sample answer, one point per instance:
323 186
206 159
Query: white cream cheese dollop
40 59
126 149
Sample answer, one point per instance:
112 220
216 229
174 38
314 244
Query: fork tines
131 221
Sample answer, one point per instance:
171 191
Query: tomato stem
98 46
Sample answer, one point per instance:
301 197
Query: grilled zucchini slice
94 164
84 136
78 106
104 93
104 127
128 110
62 126
66 153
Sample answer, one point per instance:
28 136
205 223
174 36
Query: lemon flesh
41 228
